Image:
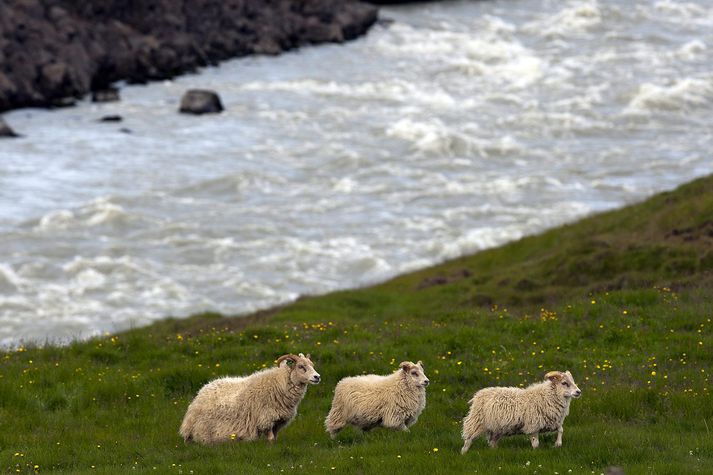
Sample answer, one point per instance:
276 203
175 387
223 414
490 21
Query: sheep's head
300 367
413 372
564 384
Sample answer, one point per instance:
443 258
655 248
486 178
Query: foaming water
459 126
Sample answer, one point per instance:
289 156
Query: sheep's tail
335 420
187 426
473 426
473 423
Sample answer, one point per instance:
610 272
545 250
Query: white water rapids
457 127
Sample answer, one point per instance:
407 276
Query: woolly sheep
246 408
541 407
394 401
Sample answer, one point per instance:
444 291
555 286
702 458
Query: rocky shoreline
52 51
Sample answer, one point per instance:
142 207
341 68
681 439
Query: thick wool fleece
243 408
502 411
370 401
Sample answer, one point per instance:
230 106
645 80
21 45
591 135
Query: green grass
622 299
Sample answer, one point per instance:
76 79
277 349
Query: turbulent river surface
459 126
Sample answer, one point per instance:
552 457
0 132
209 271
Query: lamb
541 407
248 407
394 401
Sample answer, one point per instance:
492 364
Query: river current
457 126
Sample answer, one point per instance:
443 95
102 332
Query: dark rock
200 101
267 46
124 130
63 102
397 2
105 95
481 300
54 78
111 118
56 49
5 130
525 285
444 279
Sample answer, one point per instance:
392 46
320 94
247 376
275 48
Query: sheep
248 407
394 401
541 407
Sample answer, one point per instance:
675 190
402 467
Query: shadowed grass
622 299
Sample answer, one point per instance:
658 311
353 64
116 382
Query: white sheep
394 401
246 408
541 407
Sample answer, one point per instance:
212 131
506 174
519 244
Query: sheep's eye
302 368
414 373
565 383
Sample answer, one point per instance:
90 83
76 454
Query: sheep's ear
301 355
568 373
420 363
553 376
309 357
405 365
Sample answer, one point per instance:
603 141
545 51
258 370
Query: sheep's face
301 369
414 374
564 384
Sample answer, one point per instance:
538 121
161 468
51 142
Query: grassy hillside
622 299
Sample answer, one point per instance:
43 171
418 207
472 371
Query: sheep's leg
470 437
534 440
466 445
369 427
272 433
493 440
334 431
560 431
393 421
335 422
253 434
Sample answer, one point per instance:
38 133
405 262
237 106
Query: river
456 127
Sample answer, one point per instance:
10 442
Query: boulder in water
200 101
110 94
111 118
5 130
67 101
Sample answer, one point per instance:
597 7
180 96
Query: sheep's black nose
317 378
426 383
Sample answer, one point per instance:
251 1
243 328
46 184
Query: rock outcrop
56 49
